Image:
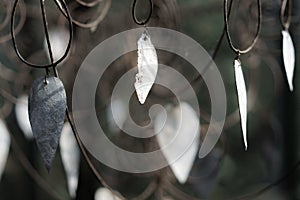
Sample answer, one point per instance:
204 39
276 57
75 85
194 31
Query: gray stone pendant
47 107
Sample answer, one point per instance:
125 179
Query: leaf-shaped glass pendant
70 157
147 67
22 116
242 97
183 123
4 145
288 53
47 107
116 122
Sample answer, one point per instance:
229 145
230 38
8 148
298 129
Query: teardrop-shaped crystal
4 145
22 116
242 97
288 53
147 67
183 123
70 157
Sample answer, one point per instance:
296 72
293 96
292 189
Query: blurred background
267 170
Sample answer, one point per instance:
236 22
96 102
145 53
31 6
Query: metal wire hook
134 14
286 23
52 64
237 50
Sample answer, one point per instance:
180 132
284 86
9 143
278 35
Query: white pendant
105 194
117 120
182 122
59 39
4 145
70 157
21 111
147 67
288 52
242 98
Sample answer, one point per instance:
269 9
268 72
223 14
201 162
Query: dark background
228 172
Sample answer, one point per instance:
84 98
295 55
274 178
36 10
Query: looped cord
89 4
134 14
286 24
236 50
52 64
95 22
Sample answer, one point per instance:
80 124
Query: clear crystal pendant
147 67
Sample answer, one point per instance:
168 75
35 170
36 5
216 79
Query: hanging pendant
242 97
147 67
22 116
4 145
47 107
183 123
288 53
70 156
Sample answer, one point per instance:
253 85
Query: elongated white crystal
182 122
242 98
288 52
70 157
4 145
147 67
22 116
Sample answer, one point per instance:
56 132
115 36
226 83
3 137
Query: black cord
226 16
286 23
15 46
135 19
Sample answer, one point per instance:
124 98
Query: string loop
135 19
15 46
286 23
226 20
